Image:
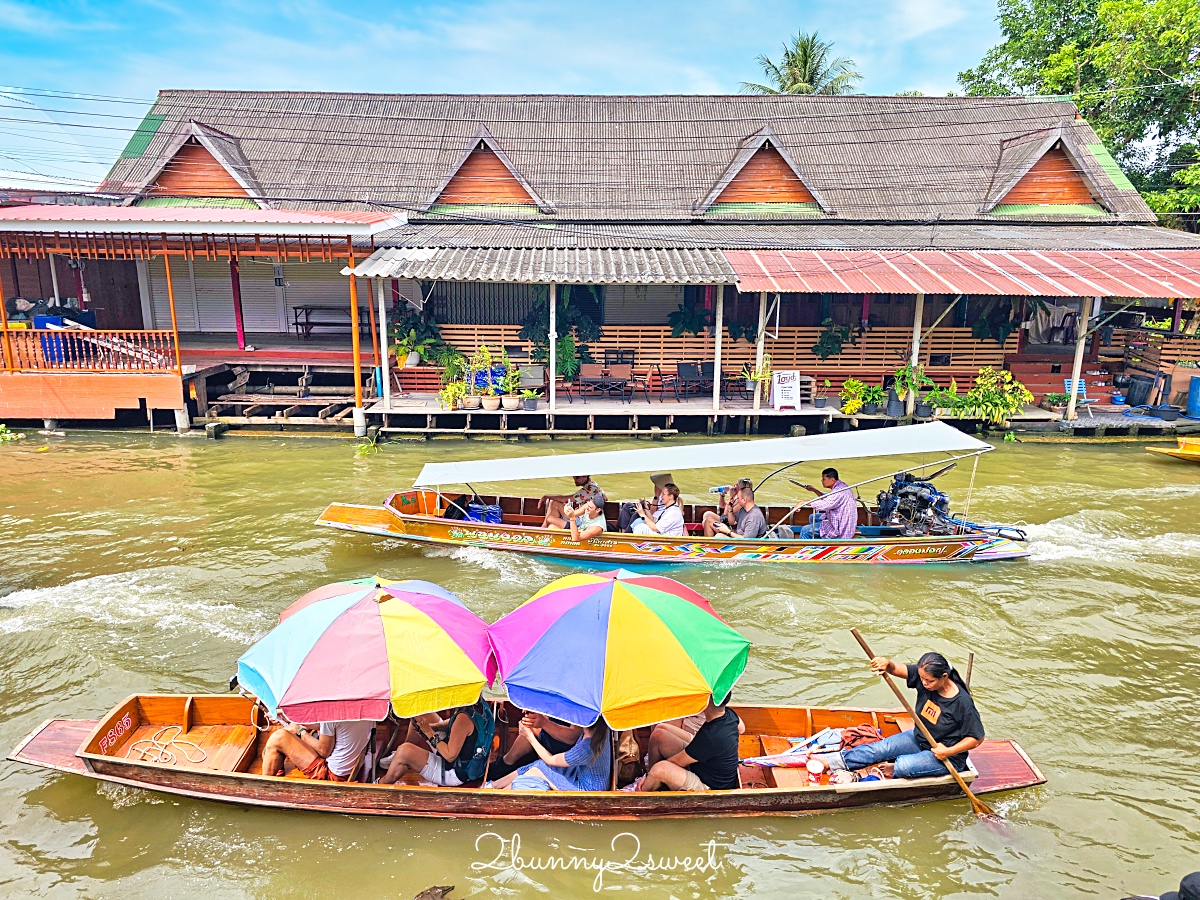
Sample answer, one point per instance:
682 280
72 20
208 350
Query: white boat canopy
932 437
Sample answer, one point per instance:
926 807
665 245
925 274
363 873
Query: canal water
130 563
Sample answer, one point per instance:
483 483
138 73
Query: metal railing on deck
73 350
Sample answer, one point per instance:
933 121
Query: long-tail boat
1186 449
915 527
209 747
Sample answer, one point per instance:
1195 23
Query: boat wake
170 599
1107 538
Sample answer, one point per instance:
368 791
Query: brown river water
135 563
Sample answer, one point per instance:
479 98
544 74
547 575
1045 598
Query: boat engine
915 506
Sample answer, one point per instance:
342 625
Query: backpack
485 729
456 508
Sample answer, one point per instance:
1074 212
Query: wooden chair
590 378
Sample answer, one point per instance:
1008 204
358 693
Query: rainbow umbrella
636 649
348 651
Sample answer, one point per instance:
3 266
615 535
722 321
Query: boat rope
970 488
159 748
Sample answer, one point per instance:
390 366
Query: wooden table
329 316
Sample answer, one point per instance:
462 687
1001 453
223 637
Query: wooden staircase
1046 374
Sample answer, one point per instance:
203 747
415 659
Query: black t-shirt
949 719
715 751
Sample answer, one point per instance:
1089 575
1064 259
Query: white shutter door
160 302
214 295
640 305
260 300
321 284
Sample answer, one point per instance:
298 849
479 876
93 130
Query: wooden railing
72 350
880 350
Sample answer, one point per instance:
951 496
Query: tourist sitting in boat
749 521
330 753
836 516
447 752
727 513
665 519
586 521
554 735
945 706
586 766
706 761
587 491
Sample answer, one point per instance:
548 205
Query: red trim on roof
1081 273
187 215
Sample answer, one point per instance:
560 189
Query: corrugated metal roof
630 158
1114 273
550 266
844 236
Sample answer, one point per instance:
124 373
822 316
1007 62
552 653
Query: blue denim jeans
911 761
811 531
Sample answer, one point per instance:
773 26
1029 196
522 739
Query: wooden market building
224 247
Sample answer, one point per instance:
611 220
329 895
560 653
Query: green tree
806 67
1131 66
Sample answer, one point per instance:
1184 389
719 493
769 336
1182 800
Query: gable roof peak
762 140
483 140
224 148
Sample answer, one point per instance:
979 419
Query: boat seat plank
227 748
749 745
1002 765
54 743
754 777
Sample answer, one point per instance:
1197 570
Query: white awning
933 437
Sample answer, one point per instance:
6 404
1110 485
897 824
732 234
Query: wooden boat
929 535
225 729
419 516
1188 448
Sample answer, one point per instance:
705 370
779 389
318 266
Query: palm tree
807 68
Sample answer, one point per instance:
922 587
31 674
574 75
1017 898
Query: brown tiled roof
632 158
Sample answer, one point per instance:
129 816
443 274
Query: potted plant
851 395
412 348
819 395
924 409
754 375
451 395
490 399
873 397
529 399
471 394
1054 402
511 384
995 396
943 400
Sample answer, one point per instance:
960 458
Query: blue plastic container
1193 405
487 513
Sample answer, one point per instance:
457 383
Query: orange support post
174 323
8 351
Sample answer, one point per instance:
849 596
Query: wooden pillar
1177 317
171 302
553 337
866 310
910 403
9 362
758 347
355 340
719 328
1077 366
235 282
385 373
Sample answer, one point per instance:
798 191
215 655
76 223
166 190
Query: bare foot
887 770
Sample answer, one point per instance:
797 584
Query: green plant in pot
412 347
472 395
529 399
510 384
995 397
491 398
759 375
451 395
873 396
943 400
820 394
910 378
851 395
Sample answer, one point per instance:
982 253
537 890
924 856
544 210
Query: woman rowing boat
945 706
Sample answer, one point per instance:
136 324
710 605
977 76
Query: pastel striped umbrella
351 650
634 648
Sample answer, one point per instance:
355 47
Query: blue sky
133 48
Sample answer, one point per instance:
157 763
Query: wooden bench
328 317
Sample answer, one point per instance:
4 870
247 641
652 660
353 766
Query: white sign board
785 389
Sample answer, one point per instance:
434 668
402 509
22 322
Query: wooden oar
981 809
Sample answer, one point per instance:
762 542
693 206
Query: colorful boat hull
100 749
1188 449
407 516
